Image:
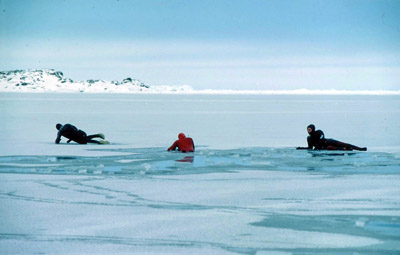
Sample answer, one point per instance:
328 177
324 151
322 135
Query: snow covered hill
49 80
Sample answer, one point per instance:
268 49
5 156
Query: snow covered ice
245 190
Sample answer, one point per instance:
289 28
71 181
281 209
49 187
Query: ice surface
157 161
246 190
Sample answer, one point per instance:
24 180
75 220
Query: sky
224 44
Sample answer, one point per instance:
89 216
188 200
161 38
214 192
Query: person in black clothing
73 134
317 141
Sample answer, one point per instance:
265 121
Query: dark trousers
332 144
82 138
89 138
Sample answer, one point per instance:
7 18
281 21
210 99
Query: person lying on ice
317 141
73 134
184 144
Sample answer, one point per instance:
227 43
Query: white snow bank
49 80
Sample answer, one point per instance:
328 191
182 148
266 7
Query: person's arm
173 146
193 144
58 139
309 143
321 140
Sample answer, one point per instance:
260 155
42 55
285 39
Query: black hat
311 126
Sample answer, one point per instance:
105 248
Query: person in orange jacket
184 144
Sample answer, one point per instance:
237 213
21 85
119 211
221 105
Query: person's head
58 126
181 136
310 128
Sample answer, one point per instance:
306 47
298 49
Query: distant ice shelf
52 81
294 92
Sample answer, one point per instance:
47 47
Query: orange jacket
184 144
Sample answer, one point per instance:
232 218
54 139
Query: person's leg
333 144
352 147
96 136
79 137
80 141
357 148
333 148
343 146
97 142
92 141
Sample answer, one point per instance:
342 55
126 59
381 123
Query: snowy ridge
49 80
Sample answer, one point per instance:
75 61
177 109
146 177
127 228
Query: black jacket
316 140
72 133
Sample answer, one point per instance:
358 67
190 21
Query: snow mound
49 80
